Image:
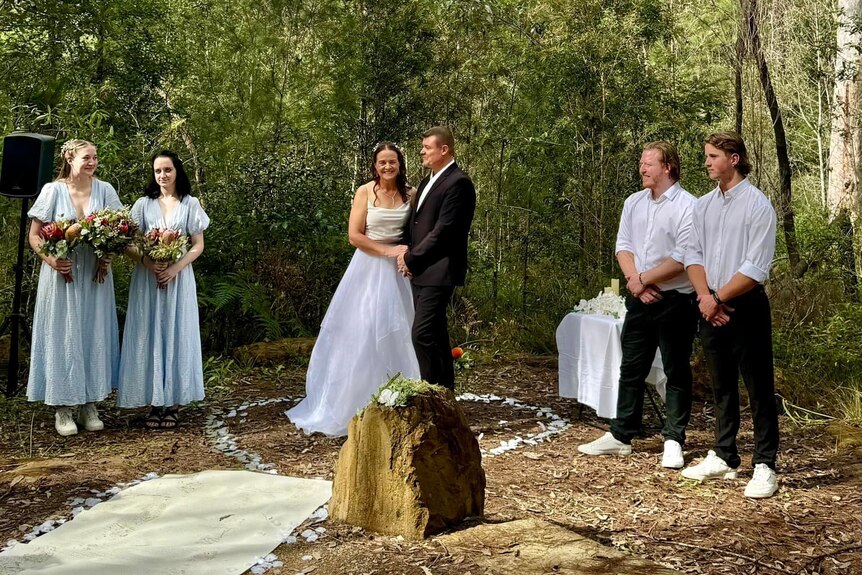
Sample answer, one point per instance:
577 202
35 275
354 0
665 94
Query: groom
436 234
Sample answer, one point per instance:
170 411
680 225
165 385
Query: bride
365 335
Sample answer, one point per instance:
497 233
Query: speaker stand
16 321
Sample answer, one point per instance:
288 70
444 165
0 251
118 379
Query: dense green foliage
276 104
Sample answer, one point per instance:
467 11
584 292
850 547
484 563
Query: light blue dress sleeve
198 220
112 200
138 212
46 204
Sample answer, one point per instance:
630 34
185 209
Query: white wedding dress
365 335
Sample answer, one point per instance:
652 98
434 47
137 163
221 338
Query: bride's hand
395 251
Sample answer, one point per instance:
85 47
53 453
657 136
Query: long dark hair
400 181
183 184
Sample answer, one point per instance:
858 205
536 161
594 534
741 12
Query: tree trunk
738 63
785 195
183 131
498 232
845 163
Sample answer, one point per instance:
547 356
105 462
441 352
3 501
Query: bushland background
276 105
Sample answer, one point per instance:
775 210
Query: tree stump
412 471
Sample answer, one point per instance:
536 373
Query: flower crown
379 145
70 146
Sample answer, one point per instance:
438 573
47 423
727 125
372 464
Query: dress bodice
55 201
386 224
188 217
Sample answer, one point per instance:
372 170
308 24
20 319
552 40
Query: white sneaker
88 416
607 444
763 483
672 458
712 467
64 423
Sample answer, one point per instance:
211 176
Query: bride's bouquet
109 231
163 245
59 239
605 303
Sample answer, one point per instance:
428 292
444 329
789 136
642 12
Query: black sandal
170 418
154 419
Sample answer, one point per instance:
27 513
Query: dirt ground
813 525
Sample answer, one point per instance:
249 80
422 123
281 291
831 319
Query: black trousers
669 325
431 334
743 346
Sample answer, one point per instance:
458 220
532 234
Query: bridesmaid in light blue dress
75 353
161 363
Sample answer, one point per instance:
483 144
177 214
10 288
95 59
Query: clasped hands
716 314
163 272
646 293
64 268
398 253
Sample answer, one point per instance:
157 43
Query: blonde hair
669 156
68 151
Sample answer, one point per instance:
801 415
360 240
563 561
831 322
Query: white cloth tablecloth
589 361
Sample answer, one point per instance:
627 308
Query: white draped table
589 361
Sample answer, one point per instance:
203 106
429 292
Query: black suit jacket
437 231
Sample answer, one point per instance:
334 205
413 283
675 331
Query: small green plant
849 401
219 375
277 372
462 359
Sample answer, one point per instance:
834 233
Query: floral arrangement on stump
398 391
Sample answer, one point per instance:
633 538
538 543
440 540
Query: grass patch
220 376
12 411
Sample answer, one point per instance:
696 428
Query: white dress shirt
654 230
733 232
431 180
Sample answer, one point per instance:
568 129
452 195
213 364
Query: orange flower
457 352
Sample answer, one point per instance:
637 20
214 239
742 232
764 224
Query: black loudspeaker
28 161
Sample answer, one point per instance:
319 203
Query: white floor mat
208 523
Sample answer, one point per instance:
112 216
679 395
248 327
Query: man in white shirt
731 250
661 312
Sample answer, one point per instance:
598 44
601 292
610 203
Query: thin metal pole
17 318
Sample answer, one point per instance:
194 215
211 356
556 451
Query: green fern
225 293
252 299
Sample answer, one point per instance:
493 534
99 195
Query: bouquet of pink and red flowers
163 245
59 239
109 231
